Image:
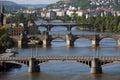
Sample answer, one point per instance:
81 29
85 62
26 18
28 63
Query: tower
2 15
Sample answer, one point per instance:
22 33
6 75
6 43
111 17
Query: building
29 11
79 13
43 13
50 14
16 29
70 12
60 13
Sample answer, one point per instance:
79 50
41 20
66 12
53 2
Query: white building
43 13
79 13
50 14
70 12
29 11
60 13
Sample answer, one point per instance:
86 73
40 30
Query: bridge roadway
33 62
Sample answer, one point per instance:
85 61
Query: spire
1 13
2 7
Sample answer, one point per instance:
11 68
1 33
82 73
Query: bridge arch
82 42
58 37
84 63
111 66
58 28
24 63
109 63
108 41
64 66
42 28
34 39
58 41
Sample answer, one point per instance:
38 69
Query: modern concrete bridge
33 63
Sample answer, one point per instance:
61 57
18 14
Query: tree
5 40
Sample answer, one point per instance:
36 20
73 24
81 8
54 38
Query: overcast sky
33 1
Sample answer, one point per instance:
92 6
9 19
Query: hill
12 6
34 5
8 3
88 4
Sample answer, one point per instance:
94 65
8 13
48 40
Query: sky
34 1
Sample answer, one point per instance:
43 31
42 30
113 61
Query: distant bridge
46 38
33 62
69 26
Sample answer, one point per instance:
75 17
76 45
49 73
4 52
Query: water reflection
82 42
58 43
108 42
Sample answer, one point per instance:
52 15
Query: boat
13 50
7 55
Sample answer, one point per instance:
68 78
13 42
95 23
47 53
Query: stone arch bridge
69 26
95 63
46 38
71 38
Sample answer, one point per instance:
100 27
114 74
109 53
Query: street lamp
31 52
36 50
97 52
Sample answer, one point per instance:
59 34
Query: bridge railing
108 58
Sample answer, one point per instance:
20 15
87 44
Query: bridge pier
69 43
95 43
118 43
46 43
19 44
95 66
32 66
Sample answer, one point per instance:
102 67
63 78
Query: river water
67 70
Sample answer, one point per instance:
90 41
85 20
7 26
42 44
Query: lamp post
36 51
95 44
31 52
97 51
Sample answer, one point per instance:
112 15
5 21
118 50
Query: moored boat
13 50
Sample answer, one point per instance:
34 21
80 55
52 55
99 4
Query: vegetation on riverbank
5 40
102 24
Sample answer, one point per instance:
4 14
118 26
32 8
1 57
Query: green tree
5 40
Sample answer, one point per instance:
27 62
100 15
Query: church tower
2 16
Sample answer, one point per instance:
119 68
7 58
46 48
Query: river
67 70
